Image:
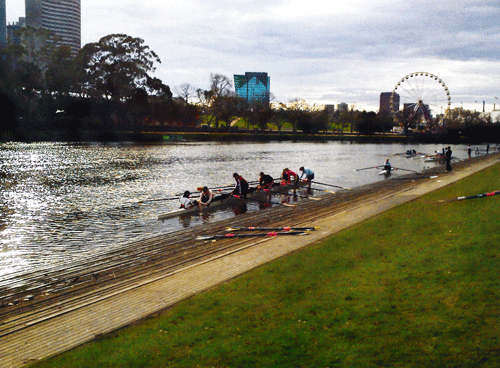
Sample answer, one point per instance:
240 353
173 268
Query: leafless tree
185 91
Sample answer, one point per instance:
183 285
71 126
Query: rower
265 181
206 197
286 176
186 200
241 188
387 166
308 173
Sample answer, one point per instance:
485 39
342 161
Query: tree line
109 87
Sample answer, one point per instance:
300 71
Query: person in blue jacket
309 175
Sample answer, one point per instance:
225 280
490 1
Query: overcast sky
322 51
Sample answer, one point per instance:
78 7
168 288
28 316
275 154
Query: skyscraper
253 86
3 24
385 103
63 17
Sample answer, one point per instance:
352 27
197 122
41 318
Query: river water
62 202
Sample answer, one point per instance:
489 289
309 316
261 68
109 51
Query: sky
320 51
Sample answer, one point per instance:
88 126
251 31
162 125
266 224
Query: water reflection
60 202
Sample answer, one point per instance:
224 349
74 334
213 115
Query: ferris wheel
421 92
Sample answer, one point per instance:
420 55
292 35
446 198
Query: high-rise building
385 103
3 24
63 17
253 86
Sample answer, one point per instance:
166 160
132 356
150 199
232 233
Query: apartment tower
63 17
3 24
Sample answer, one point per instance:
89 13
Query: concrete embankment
114 290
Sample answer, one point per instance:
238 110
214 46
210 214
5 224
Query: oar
398 168
367 168
252 228
264 201
158 199
232 235
329 185
295 195
482 195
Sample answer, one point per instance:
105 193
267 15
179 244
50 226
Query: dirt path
117 289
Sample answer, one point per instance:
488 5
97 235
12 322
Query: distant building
63 17
342 107
253 86
385 103
12 38
3 24
330 108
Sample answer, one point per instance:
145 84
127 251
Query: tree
260 113
224 108
294 112
220 85
117 65
61 75
185 91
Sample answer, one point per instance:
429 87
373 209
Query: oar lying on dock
232 235
482 195
252 228
290 194
264 201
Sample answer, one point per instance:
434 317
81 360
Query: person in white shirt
186 201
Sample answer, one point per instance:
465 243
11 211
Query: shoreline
200 135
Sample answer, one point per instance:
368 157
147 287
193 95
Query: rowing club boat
227 200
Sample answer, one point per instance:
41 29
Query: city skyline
324 52
61 17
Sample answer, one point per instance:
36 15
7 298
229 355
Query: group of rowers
241 189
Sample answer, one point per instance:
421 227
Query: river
60 202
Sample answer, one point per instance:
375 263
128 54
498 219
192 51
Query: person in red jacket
287 175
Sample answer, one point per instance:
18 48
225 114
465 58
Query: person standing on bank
241 188
448 158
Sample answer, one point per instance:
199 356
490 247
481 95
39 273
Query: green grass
415 287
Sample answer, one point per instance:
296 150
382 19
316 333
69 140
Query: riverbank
85 322
235 135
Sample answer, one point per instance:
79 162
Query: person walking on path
448 158
469 151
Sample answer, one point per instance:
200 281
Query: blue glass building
253 87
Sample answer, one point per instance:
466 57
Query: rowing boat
285 188
218 201
227 200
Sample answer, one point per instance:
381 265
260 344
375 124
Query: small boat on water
226 199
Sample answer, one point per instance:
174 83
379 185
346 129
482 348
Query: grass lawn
417 286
